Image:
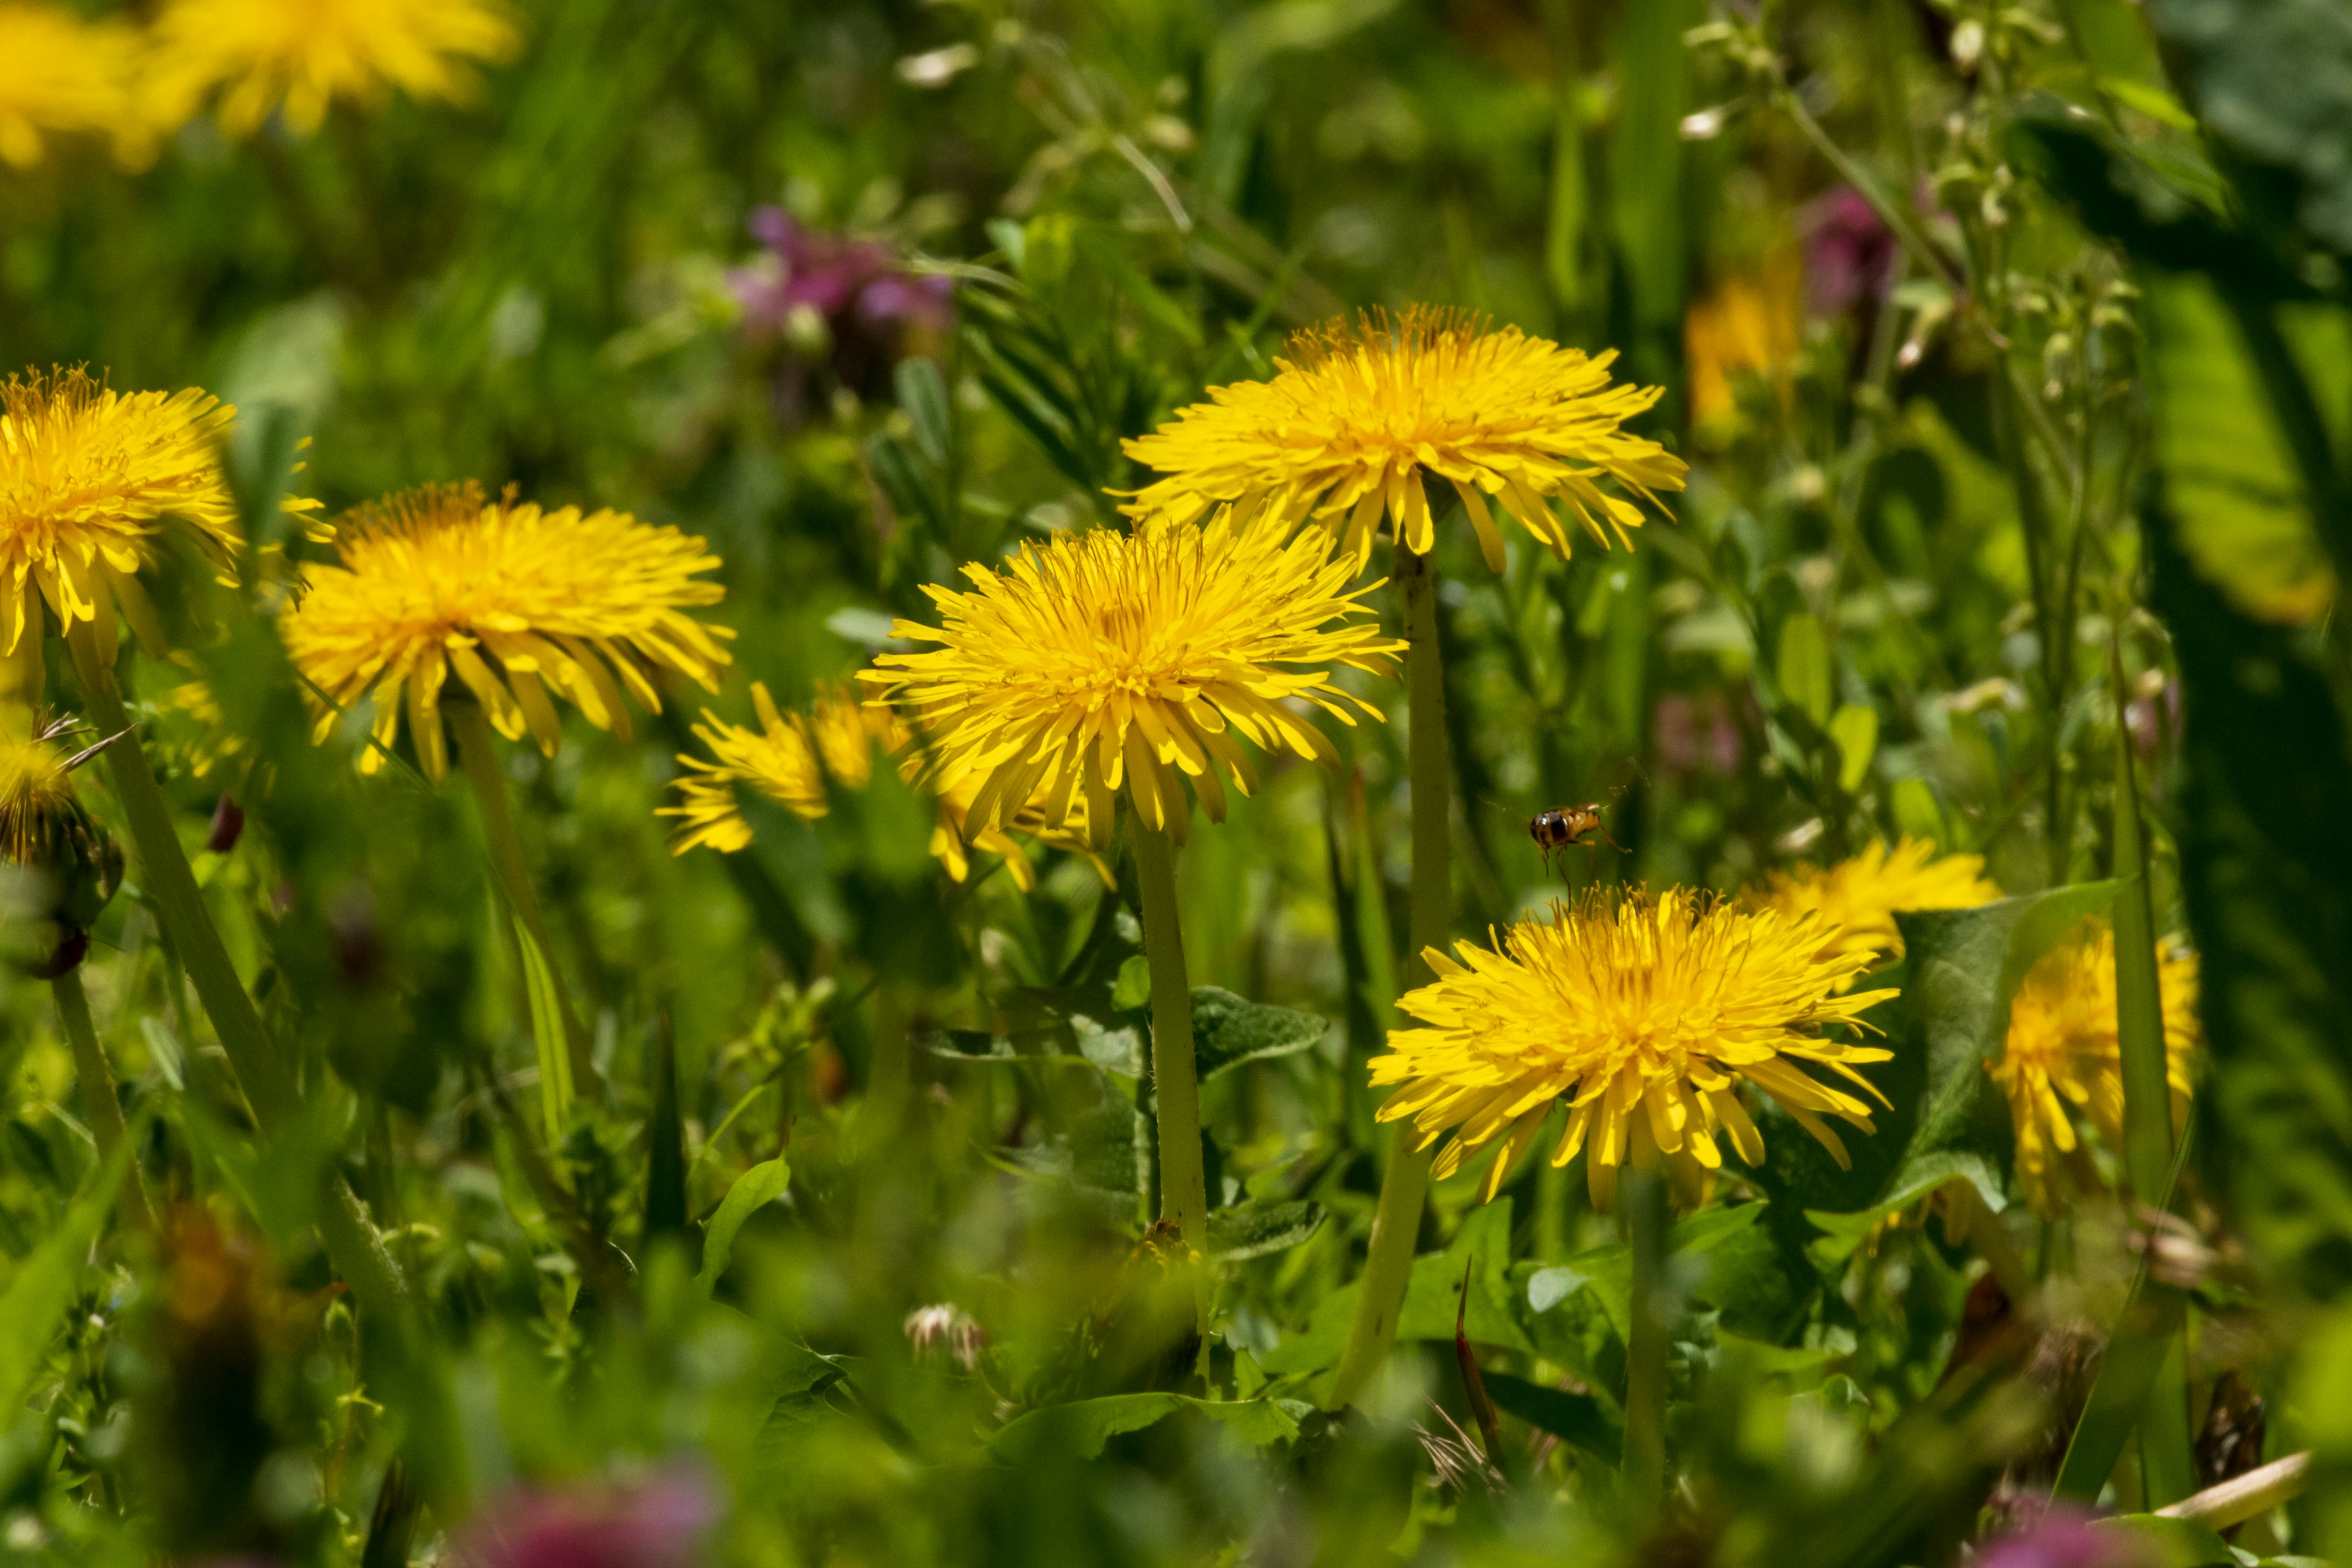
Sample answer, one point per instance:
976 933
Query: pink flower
2066 1538
655 1524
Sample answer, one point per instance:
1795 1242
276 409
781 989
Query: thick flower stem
477 754
1641 1198
99 1101
1184 1187
357 1251
2167 1461
1396 1224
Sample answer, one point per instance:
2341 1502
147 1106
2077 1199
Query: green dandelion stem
1641 1208
99 1101
477 754
357 1251
1184 1187
1388 1267
2166 1455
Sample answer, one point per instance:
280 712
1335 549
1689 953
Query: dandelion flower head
2061 1062
521 604
306 54
1642 1016
61 75
792 758
1859 896
1103 661
36 793
1360 417
87 476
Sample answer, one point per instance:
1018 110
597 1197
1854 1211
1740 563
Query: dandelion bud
46 829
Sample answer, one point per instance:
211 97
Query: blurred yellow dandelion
306 54
87 476
1642 1016
61 75
515 601
793 758
1360 413
1101 660
2061 1061
1858 896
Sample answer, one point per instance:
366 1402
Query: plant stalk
357 1251
2168 1463
99 1099
477 754
1642 1199
1396 1224
1184 1187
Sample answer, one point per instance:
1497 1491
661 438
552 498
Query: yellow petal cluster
304 55
1103 661
792 758
1858 896
1642 1016
87 476
61 76
521 604
36 793
1362 418
2062 1064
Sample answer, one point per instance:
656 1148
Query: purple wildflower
2064 1537
655 1524
851 303
1849 252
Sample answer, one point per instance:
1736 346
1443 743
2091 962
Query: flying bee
1567 826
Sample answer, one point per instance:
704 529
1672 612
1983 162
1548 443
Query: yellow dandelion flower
61 75
306 54
1642 1016
792 758
1858 897
514 600
2061 1061
1748 326
1360 414
1101 660
87 476
45 826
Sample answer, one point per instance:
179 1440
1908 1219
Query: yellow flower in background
792 758
1100 660
521 604
61 75
2063 1062
86 476
1359 413
1746 326
303 55
1858 897
1642 1015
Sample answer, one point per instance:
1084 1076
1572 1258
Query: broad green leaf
2266 873
1431 1295
1854 729
1241 1232
43 1286
923 398
547 1034
756 1188
1801 666
1228 1031
1575 1418
1080 1428
1726 1254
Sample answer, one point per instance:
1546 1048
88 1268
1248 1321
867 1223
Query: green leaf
1241 1232
43 1286
923 398
547 1034
1854 729
1945 1119
1228 1031
2266 874
1080 1428
665 1142
756 1188
1802 667
1578 1419
1730 1252
2171 1542
1431 1295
